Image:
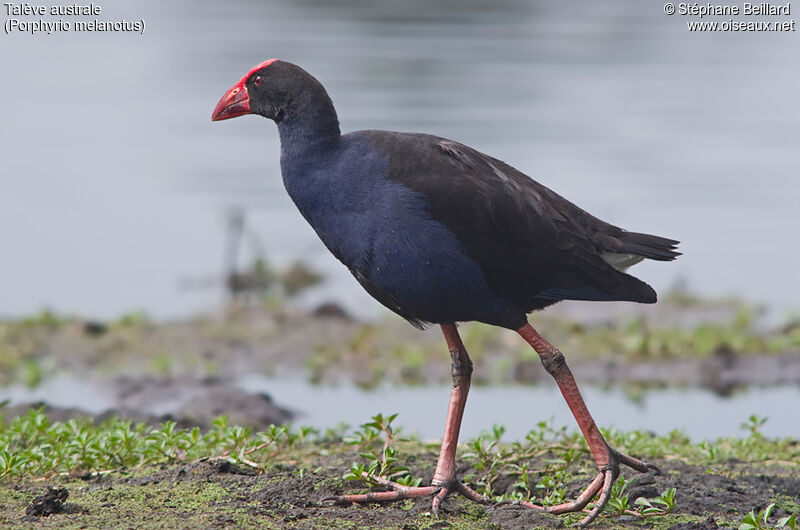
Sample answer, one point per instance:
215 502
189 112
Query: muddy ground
221 495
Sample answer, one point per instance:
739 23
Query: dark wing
533 246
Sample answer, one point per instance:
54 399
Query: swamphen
441 233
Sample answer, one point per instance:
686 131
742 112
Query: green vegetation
543 468
32 446
760 521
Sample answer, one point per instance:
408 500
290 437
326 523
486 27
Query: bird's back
533 246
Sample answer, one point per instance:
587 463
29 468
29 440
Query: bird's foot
602 484
400 492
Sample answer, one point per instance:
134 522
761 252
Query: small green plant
364 437
488 460
754 424
522 486
760 521
618 503
383 465
553 487
660 505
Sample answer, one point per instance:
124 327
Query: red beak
235 102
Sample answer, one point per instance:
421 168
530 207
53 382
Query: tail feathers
648 246
629 248
630 289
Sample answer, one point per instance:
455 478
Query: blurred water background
115 183
421 409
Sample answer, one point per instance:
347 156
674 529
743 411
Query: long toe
400 492
609 477
635 463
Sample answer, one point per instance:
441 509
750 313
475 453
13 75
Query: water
519 408
114 181
421 410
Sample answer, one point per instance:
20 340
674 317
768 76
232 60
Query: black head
268 89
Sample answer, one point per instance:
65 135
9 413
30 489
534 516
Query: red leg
444 480
607 459
461 370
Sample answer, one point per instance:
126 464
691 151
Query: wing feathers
531 244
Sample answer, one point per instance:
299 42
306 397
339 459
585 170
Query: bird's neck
309 123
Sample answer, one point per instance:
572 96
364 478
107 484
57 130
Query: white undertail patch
621 261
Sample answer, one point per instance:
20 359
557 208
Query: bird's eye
257 80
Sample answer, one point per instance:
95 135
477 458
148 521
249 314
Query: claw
654 468
437 501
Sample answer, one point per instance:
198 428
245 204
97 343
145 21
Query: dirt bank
221 495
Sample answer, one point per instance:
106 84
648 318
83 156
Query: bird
441 234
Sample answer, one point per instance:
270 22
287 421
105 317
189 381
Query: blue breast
383 232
